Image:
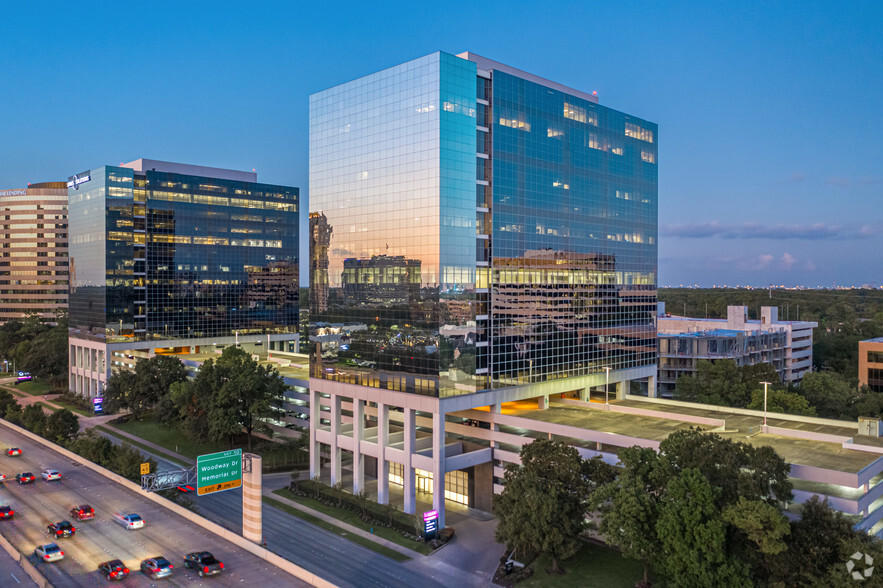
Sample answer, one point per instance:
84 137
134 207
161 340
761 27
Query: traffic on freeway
42 506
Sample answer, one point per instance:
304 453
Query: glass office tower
175 257
479 236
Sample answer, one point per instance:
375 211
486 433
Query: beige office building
33 251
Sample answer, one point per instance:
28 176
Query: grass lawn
149 430
73 408
592 566
33 387
351 518
337 530
144 447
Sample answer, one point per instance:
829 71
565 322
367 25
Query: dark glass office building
526 210
170 257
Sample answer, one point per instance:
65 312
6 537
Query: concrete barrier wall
29 568
860 447
744 411
659 414
826 476
809 435
841 504
238 540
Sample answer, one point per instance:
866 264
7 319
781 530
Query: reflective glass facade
162 256
471 231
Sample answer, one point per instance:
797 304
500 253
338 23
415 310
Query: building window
648 156
637 132
579 114
516 123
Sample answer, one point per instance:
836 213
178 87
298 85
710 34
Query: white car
49 552
50 475
2 478
130 521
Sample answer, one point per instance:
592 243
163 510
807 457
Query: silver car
49 552
157 567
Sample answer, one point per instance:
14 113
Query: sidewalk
428 563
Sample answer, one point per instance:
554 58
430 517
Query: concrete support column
314 424
252 518
651 387
382 464
438 470
408 468
622 388
495 409
543 402
584 394
336 453
358 433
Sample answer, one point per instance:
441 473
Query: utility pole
765 384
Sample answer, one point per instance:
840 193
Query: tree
830 394
61 426
762 525
630 505
94 447
121 387
127 462
692 536
784 401
733 469
33 418
543 503
155 377
719 382
6 400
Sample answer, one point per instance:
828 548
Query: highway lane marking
14 578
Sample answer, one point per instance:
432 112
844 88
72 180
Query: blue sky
770 117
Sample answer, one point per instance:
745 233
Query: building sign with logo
77 179
24 376
218 471
5 193
98 404
430 524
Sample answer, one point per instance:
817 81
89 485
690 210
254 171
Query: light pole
765 384
607 385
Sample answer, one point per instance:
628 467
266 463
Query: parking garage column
438 462
543 402
358 458
495 409
651 387
622 388
382 464
314 424
408 468
335 431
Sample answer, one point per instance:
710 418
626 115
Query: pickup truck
203 562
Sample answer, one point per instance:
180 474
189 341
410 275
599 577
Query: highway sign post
218 471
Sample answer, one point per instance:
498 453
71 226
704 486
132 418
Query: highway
101 539
325 554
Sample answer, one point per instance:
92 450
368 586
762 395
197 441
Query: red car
83 512
6 512
13 451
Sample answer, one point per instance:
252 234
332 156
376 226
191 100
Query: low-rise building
684 341
870 364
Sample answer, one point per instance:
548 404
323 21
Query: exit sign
220 471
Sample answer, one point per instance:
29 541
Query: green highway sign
218 471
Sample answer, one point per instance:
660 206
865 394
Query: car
7 512
50 475
49 552
130 521
83 512
203 562
113 569
62 529
13 451
25 478
157 567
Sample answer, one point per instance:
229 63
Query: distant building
870 364
33 251
684 341
174 258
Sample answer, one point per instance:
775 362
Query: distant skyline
770 126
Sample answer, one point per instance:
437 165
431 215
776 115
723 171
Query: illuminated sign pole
430 524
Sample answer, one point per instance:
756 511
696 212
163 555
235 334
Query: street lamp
765 384
607 385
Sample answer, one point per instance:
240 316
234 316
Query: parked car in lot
203 562
129 521
13 451
25 478
49 552
83 512
51 475
157 567
62 529
113 569
7 512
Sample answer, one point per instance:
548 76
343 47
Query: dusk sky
770 114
